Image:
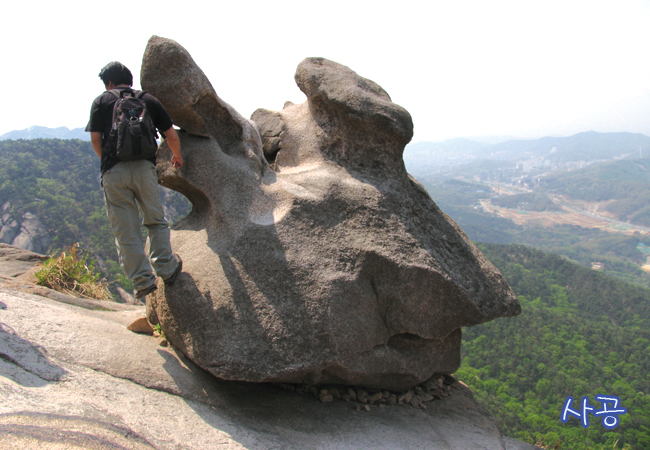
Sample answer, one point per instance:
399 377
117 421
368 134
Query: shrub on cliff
70 273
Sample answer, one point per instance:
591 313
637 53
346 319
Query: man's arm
96 141
174 145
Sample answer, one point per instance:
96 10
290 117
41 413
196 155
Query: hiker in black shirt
132 184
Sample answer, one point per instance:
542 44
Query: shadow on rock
248 411
262 415
37 430
25 363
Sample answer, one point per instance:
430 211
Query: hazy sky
461 68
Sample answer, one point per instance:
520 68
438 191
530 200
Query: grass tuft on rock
70 273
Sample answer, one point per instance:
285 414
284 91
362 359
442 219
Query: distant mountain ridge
38 132
586 146
424 158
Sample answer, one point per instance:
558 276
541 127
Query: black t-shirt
101 120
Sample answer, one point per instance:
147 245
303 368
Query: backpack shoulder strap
115 92
139 94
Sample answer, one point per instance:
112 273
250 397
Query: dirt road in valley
571 214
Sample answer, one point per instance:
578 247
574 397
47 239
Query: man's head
116 73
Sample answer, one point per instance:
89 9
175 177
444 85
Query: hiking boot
174 275
146 291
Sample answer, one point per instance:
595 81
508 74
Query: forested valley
624 184
619 253
581 332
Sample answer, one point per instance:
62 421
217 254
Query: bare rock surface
310 255
514 444
16 261
26 231
72 377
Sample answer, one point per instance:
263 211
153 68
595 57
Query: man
128 182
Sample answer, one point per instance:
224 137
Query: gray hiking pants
128 185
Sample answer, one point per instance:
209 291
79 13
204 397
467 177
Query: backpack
133 135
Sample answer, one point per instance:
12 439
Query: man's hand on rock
177 162
174 143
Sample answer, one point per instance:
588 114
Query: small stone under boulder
310 255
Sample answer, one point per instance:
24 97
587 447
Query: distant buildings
597 266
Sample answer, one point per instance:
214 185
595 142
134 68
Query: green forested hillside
58 181
580 333
600 182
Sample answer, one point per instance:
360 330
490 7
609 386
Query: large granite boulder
310 254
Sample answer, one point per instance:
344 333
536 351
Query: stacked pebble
434 388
